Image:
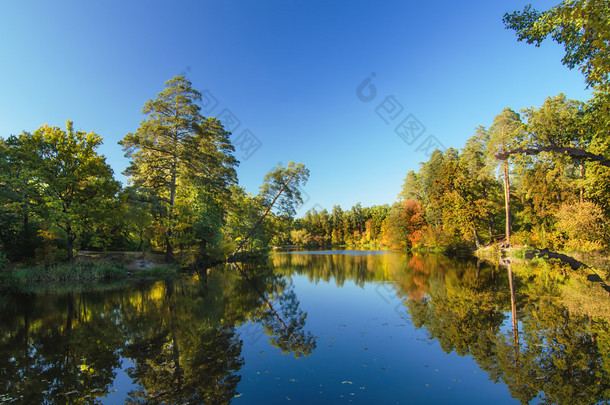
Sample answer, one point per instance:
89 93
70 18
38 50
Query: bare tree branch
576 153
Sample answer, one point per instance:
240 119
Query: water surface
318 327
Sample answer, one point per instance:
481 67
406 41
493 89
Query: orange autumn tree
404 224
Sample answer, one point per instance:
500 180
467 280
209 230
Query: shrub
3 260
582 226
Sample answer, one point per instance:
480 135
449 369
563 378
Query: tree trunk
169 251
70 240
582 175
507 200
489 219
476 238
256 225
27 242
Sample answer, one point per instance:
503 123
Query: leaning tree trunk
476 238
260 220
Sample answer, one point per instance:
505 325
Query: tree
300 237
411 188
282 185
18 195
244 213
74 183
504 134
583 27
547 178
404 224
175 149
584 226
478 165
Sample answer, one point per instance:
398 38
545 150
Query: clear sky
288 73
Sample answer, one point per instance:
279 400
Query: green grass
67 272
436 250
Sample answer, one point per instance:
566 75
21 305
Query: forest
520 168
59 195
539 176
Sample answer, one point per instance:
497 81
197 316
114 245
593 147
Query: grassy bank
90 271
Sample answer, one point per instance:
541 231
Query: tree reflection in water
543 335
180 335
540 333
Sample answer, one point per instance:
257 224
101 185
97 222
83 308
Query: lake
353 327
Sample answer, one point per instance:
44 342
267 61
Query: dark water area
320 327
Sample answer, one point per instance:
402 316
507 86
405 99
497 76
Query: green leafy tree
300 237
282 185
583 28
411 188
175 149
74 183
18 199
480 169
243 215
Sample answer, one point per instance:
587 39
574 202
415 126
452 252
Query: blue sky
287 72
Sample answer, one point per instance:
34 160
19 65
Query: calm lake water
351 327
